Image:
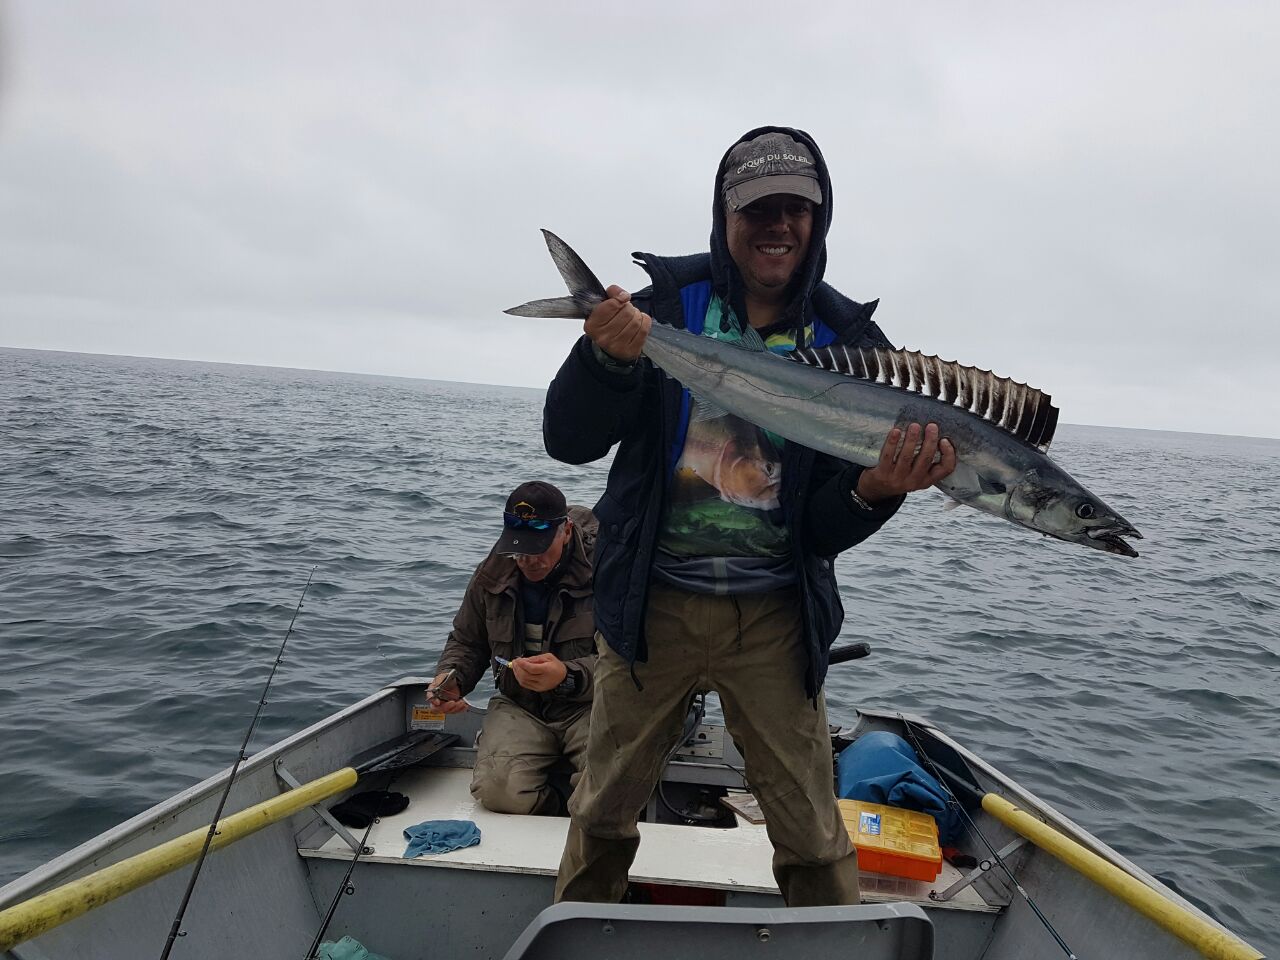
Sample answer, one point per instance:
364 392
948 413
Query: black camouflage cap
532 518
771 163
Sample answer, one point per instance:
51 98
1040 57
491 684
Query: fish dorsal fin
1014 407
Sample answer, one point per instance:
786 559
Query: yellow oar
1194 930
47 910
54 907
1211 941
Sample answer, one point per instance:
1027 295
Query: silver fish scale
1014 407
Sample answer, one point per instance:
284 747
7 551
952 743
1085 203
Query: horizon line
518 386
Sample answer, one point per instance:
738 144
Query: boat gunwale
87 854
1051 815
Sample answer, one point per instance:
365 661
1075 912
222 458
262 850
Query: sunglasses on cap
513 522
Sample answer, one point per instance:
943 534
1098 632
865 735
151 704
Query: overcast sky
1084 197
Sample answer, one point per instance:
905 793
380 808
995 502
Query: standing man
714 569
527 615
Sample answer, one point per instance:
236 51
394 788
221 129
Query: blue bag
881 767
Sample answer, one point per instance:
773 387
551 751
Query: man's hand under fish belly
907 463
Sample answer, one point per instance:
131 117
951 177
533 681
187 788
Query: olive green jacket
490 624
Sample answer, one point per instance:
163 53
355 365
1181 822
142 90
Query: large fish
845 400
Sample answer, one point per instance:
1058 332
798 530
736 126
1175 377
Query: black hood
724 272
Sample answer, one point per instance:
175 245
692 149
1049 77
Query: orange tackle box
902 843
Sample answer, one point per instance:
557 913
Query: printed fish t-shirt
723 499
723 529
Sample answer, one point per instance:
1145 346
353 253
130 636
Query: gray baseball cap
771 163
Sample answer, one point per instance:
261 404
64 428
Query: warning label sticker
424 718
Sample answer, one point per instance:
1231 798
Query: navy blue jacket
590 408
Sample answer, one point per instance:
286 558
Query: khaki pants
516 753
749 649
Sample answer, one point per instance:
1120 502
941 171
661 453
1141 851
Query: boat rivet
607 929
763 934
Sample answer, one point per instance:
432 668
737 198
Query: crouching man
527 616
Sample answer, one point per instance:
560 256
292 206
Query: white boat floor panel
734 859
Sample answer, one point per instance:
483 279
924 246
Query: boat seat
737 861
877 931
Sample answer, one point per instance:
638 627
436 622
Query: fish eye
1085 511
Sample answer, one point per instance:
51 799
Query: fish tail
566 308
585 291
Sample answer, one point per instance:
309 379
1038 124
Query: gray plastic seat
595 931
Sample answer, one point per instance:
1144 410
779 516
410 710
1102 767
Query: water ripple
158 520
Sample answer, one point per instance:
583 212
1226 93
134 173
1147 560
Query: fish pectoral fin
704 410
752 340
566 308
970 482
990 486
951 503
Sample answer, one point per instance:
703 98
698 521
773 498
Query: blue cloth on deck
881 767
346 949
440 836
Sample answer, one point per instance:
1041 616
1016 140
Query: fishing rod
176 928
953 801
345 886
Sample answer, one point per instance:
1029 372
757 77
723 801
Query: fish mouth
1111 539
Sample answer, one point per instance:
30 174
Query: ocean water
158 520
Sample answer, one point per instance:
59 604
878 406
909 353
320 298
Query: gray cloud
1080 197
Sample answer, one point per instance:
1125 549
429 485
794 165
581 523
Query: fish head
735 457
1054 504
750 481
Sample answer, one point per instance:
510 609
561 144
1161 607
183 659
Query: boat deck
736 859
